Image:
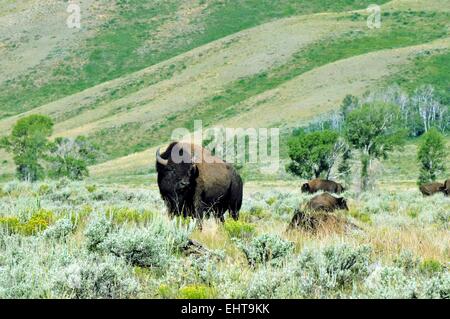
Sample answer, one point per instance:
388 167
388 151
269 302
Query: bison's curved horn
161 160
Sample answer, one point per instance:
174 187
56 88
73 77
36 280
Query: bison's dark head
176 179
340 188
305 188
342 203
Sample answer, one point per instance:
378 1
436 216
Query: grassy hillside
137 70
135 34
427 69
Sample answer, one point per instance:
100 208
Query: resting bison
304 220
432 188
447 187
313 221
193 182
318 184
327 203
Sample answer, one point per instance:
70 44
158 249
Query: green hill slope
118 38
139 69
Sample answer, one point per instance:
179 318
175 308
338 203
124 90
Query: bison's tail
237 187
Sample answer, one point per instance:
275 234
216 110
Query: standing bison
432 188
327 203
318 184
193 182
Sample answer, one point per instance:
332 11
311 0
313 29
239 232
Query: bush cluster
266 248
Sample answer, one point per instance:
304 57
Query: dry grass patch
426 242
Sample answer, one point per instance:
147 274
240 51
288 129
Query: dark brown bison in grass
327 203
318 184
193 182
306 221
318 214
314 221
432 188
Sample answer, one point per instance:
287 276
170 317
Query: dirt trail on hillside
300 99
323 89
238 56
210 68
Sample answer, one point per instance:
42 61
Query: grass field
83 240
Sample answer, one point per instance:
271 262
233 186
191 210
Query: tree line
36 157
369 129
366 129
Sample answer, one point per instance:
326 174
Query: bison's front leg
171 210
235 213
199 210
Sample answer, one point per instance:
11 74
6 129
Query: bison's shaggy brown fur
318 184
327 203
320 221
318 214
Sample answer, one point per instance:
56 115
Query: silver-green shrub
33 267
266 248
150 246
96 232
60 229
438 287
94 277
335 266
391 282
275 282
139 247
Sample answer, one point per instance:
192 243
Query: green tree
313 154
345 167
349 103
374 130
70 157
431 156
28 143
